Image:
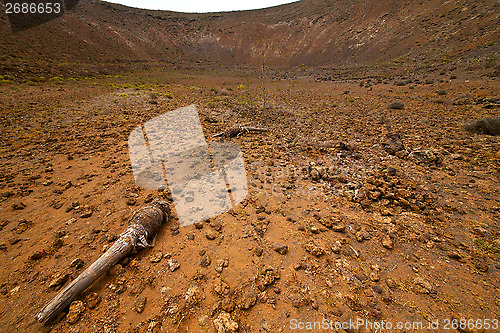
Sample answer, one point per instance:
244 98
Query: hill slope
309 32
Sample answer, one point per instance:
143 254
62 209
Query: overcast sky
200 6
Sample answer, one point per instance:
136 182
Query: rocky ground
367 200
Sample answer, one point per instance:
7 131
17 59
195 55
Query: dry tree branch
237 130
143 225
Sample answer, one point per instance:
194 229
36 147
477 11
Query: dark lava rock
393 143
38 255
205 261
396 105
281 248
18 206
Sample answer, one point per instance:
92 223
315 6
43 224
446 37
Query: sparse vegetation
484 246
490 62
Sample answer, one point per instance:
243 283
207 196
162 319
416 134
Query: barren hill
373 193
308 32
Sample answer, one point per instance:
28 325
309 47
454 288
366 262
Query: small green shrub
490 62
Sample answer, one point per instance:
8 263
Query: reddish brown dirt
379 237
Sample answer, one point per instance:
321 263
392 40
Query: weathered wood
237 130
143 225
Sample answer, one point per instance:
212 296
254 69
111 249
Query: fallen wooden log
237 130
143 225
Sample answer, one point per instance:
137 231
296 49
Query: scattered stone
259 209
219 286
39 254
426 156
111 238
57 243
267 277
481 264
361 276
422 286
210 234
224 323
481 232
327 222
247 298
22 227
315 175
360 236
204 320
374 275
281 248
337 247
296 300
173 264
258 251
193 295
58 280
338 227
140 304
396 105
393 144
387 242
391 283
198 224
131 202
216 225
221 264
454 254
314 249
149 198
18 206
384 211
314 229
347 146
60 233
228 305
86 214
374 195
75 311
3 223
56 204
156 257
205 261
92 300
353 302
15 290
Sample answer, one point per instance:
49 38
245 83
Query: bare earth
344 219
